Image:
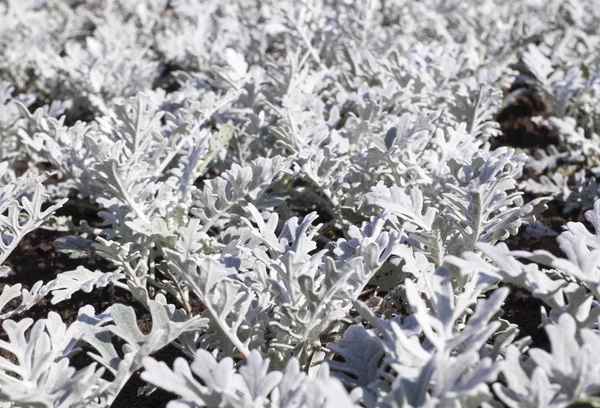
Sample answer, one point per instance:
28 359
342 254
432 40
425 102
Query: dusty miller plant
303 195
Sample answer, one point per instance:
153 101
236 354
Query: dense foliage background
308 203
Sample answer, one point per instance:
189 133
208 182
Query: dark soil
35 259
521 308
518 130
129 398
